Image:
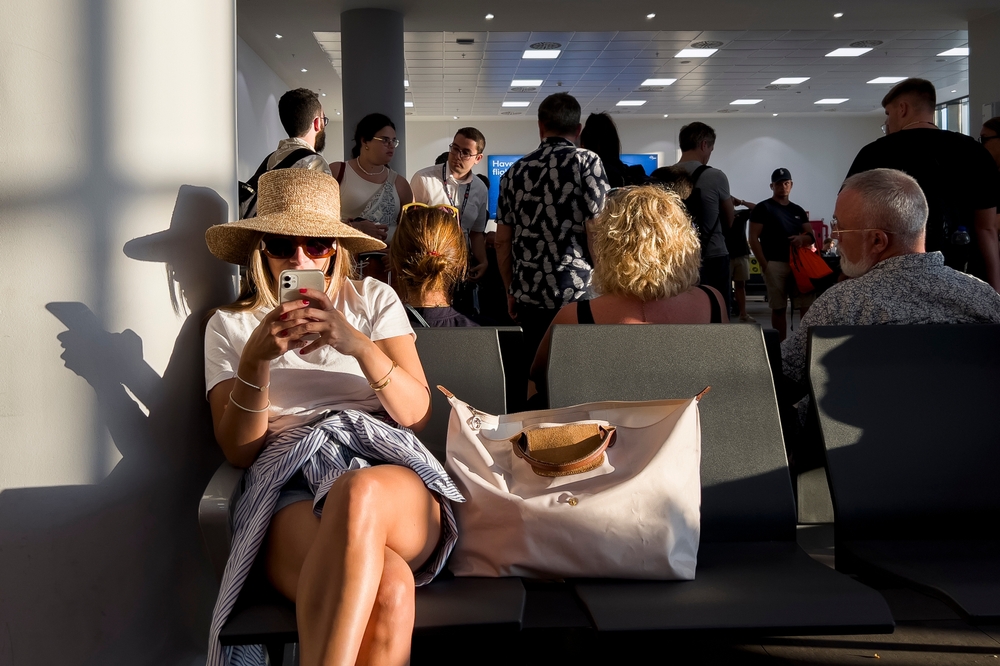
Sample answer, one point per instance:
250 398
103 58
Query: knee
357 496
395 596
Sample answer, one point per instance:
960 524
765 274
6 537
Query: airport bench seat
752 577
907 415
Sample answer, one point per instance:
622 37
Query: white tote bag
636 515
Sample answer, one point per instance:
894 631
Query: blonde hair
259 289
428 252
645 246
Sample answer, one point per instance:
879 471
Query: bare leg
779 323
341 578
740 291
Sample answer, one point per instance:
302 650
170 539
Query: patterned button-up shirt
547 197
909 289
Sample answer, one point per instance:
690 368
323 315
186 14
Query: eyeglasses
326 121
984 139
390 142
284 247
885 128
416 204
462 152
836 231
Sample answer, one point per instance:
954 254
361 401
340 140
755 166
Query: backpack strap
294 157
716 309
697 174
416 315
584 315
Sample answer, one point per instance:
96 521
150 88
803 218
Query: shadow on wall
115 573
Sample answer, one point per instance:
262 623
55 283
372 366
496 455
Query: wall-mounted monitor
648 161
497 166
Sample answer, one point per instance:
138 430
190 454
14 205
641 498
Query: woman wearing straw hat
307 394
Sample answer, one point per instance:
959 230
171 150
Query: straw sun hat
290 202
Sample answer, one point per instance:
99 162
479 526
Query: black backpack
248 190
695 209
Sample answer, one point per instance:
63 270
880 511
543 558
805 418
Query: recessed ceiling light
954 91
338 113
960 51
789 81
455 117
847 53
832 100
324 94
837 15
746 102
406 83
666 115
650 15
631 102
277 36
304 69
658 82
408 105
519 105
541 54
489 17
695 53
774 114
887 79
529 83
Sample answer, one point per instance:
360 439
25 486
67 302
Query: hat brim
234 241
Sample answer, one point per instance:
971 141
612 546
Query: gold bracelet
253 386
246 409
382 383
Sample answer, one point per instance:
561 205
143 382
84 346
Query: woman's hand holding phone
323 319
274 336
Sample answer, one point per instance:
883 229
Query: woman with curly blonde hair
646 261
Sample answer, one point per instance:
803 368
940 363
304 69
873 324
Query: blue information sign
647 161
498 165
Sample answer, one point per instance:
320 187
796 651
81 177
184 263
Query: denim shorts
295 490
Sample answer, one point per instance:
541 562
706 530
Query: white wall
984 60
258 90
105 440
817 150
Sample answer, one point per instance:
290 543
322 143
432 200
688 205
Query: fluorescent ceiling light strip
408 105
631 102
790 81
526 82
541 54
888 79
746 102
658 82
695 53
520 105
832 100
960 51
847 53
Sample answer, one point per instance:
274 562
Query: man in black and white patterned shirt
546 199
880 221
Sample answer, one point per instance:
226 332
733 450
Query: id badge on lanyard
465 199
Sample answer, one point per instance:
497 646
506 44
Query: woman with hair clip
646 261
428 258
315 395
372 194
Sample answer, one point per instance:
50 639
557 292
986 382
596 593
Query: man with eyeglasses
453 183
879 223
955 172
301 114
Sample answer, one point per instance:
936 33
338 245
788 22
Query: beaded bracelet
253 386
247 409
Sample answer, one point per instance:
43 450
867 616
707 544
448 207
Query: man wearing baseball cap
776 224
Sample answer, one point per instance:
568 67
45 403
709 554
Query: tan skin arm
728 211
241 434
505 261
805 239
755 231
478 241
986 225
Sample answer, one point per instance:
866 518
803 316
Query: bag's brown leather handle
544 468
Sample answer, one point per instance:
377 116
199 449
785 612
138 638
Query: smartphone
289 283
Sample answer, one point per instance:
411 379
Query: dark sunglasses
284 247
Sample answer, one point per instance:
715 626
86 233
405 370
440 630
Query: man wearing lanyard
454 183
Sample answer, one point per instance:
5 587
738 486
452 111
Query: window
953 115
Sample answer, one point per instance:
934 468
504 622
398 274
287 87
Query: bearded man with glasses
880 222
454 184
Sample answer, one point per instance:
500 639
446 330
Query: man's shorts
781 286
740 268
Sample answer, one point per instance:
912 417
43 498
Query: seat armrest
215 513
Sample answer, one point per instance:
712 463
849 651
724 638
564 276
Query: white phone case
289 283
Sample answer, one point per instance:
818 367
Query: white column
984 63
117 150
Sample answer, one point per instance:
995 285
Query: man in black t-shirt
776 224
956 174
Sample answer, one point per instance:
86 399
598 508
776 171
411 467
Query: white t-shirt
304 386
430 186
